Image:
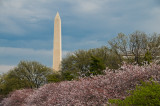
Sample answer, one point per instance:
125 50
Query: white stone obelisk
57 49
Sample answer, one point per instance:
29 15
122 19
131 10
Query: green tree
96 66
34 72
146 95
148 57
154 46
138 45
119 45
9 83
132 47
79 61
69 75
25 75
54 77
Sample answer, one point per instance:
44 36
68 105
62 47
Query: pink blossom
86 91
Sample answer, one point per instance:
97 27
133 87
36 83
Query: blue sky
26 26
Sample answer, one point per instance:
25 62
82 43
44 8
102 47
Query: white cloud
10 27
24 52
34 44
87 6
16 15
24 9
153 23
13 56
5 68
64 53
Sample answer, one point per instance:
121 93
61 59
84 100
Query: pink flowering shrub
16 98
1 97
86 91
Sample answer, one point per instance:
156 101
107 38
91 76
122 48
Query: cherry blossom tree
94 90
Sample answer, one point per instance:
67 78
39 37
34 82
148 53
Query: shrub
69 75
148 57
146 95
16 98
54 77
96 66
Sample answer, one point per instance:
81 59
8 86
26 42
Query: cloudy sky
26 26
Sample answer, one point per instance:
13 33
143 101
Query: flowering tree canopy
95 90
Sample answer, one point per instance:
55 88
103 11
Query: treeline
136 48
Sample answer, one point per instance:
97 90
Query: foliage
119 45
94 90
154 46
138 45
69 75
61 76
148 57
134 46
25 75
54 77
80 61
146 95
10 83
96 66
16 98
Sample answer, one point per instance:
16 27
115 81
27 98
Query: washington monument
57 49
